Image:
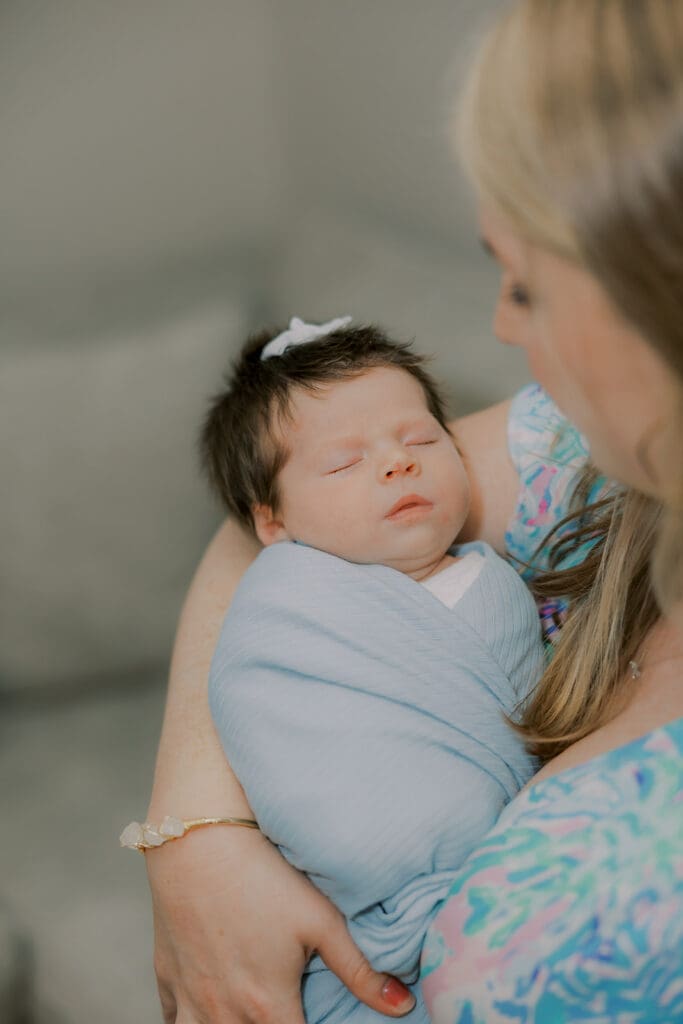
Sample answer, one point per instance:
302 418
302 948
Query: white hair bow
299 333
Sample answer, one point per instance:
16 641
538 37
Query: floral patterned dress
571 909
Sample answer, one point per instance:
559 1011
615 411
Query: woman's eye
518 295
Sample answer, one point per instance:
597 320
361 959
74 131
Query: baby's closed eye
345 465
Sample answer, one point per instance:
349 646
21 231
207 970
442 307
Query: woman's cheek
542 359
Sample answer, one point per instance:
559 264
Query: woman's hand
234 927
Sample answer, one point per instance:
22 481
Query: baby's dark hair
241 450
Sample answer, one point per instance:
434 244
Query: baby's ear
269 530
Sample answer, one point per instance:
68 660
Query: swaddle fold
365 721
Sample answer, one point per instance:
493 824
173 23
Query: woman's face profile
602 373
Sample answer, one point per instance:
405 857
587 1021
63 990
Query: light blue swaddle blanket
364 719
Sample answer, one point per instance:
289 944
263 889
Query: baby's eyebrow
335 443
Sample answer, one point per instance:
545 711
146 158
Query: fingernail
395 994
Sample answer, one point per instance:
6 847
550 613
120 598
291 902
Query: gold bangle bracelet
143 836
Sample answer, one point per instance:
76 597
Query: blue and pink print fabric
572 909
549 455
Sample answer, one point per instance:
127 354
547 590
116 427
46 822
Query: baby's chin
411 548
416 563
418 568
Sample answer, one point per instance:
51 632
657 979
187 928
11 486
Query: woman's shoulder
590 859
549 455
636 774
538 430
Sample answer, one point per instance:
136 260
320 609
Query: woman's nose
400 464
500 326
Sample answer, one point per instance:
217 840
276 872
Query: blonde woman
572 908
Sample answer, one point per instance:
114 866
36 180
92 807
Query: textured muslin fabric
365 721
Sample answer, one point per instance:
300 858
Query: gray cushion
103 515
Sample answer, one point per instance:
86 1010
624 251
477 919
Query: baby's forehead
379 400
374 396
312 432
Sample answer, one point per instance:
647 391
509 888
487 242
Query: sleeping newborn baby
365 669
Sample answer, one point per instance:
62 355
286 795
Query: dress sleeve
549 455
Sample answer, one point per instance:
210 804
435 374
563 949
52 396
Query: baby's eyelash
340 468
355 462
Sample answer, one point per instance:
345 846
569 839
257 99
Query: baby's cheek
341 519
454 507
346 532
446 516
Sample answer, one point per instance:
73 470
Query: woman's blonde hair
571 125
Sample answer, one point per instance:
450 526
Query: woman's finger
380 991
169 1007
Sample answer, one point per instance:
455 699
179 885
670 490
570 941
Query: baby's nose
401 464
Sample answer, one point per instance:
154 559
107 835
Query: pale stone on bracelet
137 836
172 828
146 836
131 835
151 837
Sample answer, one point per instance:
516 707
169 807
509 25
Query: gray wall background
172 175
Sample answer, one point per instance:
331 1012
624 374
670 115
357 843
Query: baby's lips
407 499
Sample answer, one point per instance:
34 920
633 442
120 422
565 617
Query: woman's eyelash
519 295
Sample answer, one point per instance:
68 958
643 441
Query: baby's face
372 477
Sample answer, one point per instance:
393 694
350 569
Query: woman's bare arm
234 922
193 778
482 440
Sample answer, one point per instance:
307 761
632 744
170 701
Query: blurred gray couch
175 174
